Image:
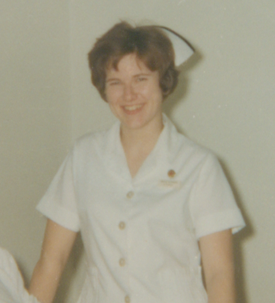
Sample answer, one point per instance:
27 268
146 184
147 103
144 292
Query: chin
135 125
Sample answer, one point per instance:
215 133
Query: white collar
159 158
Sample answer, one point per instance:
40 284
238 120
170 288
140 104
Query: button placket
123 227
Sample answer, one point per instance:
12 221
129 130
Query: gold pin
171 173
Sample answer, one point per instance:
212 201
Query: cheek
113 108
113 102
112 95
155 93
109 97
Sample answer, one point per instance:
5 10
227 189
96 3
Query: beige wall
225 101
35 117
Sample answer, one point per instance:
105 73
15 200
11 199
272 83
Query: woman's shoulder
183 145
193 157
88 144
196 147
195 152
90 138
96 140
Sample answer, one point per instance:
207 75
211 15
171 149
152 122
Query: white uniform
140 234
12 288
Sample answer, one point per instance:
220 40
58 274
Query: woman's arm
218 266
57 245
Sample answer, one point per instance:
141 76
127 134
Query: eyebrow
137 75
142 74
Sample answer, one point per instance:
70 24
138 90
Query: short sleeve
212 205
59 203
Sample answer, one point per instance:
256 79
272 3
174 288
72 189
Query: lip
132 109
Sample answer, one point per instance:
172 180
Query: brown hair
151 46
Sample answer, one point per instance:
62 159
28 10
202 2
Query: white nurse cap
183 50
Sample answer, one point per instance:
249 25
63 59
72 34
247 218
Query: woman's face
133 93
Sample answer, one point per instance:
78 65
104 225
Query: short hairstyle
151 46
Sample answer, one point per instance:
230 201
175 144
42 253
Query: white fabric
182 49
12 288
140 235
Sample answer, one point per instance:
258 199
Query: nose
129 92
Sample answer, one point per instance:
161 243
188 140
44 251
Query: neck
138 143
141 138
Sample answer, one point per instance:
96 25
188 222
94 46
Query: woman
146 199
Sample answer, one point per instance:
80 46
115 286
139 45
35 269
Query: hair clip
183 50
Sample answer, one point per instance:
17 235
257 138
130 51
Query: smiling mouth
132 107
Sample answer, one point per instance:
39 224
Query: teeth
133 107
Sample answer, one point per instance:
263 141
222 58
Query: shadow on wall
239 240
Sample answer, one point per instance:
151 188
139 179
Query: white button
122 262
121 225
130 194
127 299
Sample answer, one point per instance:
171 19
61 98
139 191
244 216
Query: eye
114 82
141 78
